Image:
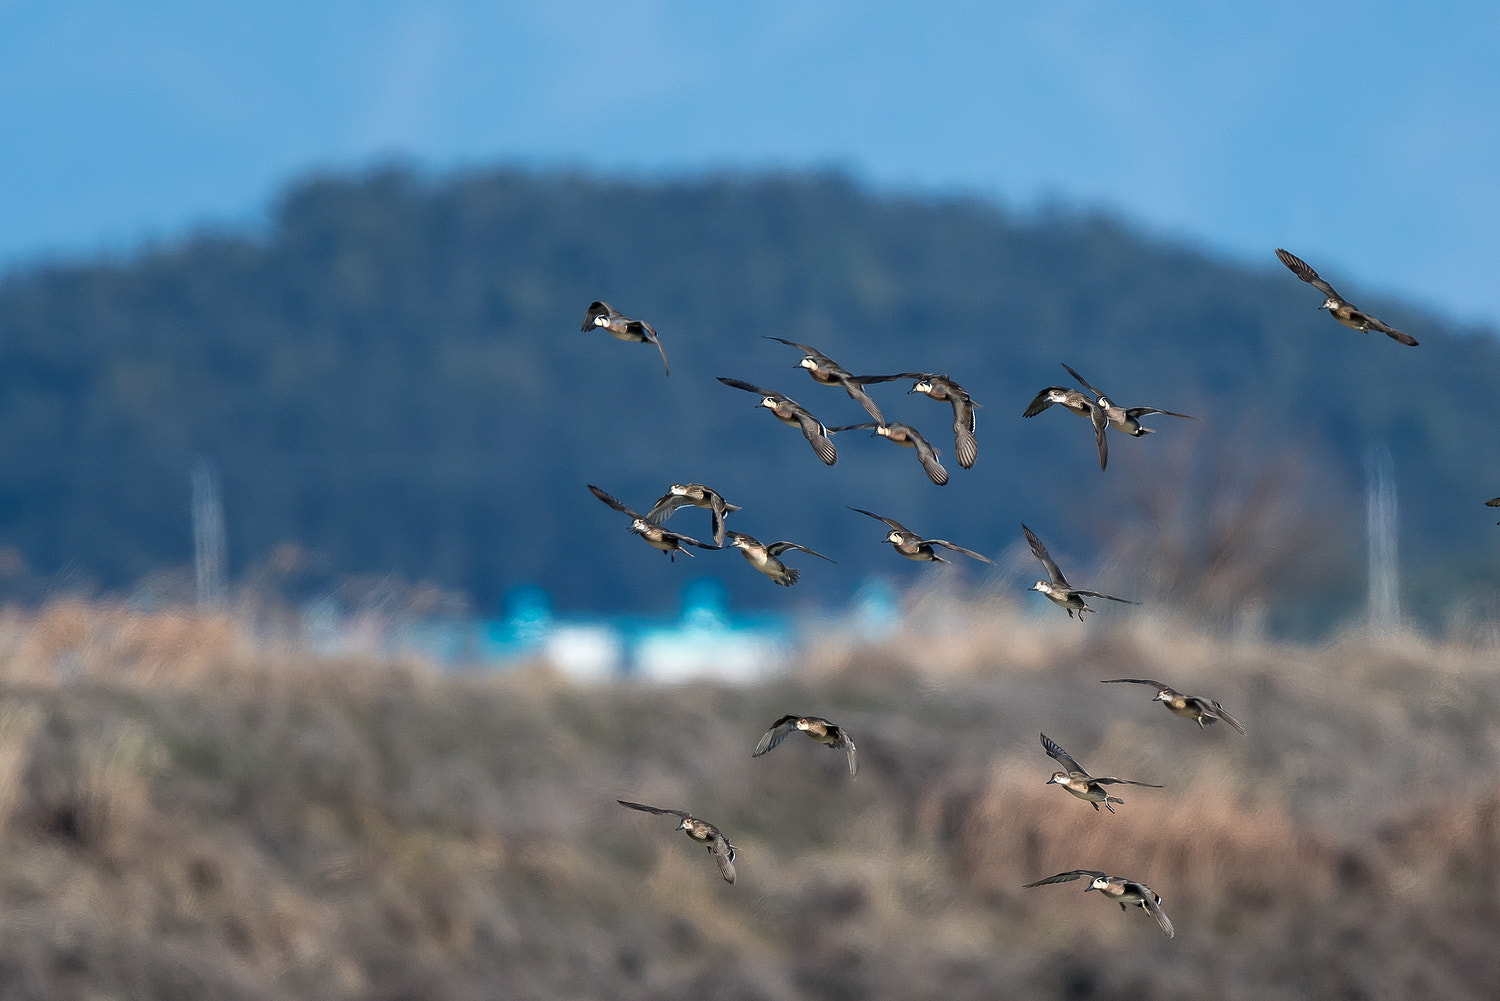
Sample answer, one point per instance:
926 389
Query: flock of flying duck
1089 402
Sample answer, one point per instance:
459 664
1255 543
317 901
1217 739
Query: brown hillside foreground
186 813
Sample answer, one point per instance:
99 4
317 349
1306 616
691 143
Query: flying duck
1123 419
602 314
940 387
1204 711
1080 783
1341 309
907 437
827 733
657 537
790 412
698 495
914 547
1122 891
1080 404
1056 587
698 830
1493 502
764 557
830 373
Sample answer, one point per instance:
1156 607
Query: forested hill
391 376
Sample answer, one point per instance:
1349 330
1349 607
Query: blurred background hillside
392 379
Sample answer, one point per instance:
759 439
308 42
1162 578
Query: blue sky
1363 136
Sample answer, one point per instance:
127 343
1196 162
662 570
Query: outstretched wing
1099 594
1100 420
812 352
1137 681
857 394
817 436
774 735
1108 780
653 809
959 549
1066 877
964 445
650 334
724 853
1062 757
1219 711
847 743
1300 268
866 426
865 380
892 523
747 387
612 501
1048 563
1152 903
777 548
1043 400
664 506
928 457
1375 323
1081 380
1139 412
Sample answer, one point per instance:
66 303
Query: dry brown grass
185 812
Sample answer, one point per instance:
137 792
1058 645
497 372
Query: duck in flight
1056 587
788 411
1126 420
701 831
682 494
914 547
830 373
657 537
1203 711
940 387
1125 892
767 558
601 314
825 732
1076 402
1089 788
907 437
1340 308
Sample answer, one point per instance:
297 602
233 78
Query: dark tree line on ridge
390 376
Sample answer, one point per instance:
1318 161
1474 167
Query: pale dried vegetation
188 811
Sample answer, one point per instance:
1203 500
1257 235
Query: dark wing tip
1297 265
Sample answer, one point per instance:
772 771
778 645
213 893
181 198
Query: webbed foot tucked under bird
1056 587
657 537
766 558
699 830
604 316
1340 308
788 411
825 732
1125 892
1203 711
1089 788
